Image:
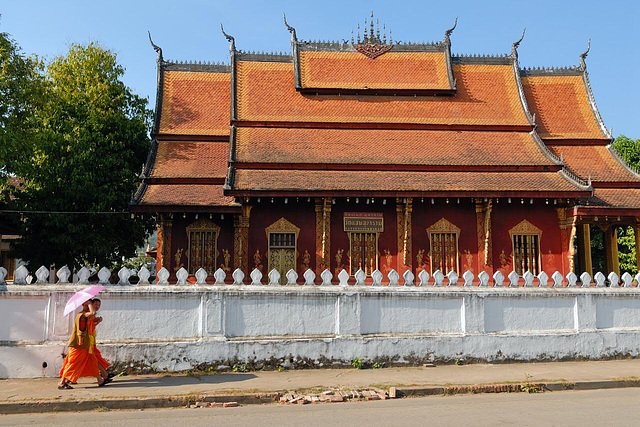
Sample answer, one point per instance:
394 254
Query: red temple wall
462 215
180 242
299 212
507 215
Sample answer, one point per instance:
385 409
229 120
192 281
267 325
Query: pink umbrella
81 297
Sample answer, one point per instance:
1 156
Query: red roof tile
486 95
402 147
392 70
195 103
182 159
616 197
312 180
185 195
595 161
562 107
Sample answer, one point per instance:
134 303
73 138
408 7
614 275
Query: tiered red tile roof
393 70
336 182
562 108
485 95
596 162
195 103
330 119
385 146
190 159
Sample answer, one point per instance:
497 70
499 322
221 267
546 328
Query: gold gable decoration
525 227
443 226
203 225
282 226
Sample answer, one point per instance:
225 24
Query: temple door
282 254
364 252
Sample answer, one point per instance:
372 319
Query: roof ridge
634 170
571 176
545 150
194 62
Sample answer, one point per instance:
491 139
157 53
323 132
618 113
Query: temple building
376 154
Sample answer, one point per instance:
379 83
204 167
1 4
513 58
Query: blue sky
557 32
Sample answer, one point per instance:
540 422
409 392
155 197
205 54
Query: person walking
103 364
81 361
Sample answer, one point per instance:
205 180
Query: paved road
580 408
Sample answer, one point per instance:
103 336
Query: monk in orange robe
102 362
81 361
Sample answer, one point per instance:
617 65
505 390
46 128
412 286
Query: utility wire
64 212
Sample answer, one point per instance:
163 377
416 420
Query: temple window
525 241
443 246
282 236
203 246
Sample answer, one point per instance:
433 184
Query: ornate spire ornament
157 48
371 45
290 28
232 41
583 56
447 34
514 47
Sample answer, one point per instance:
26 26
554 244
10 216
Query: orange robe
81 361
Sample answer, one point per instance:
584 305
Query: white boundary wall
178 327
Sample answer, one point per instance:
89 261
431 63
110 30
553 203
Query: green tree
93 139
21 90
629 150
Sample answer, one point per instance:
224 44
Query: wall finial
232 41
584 54
157 48
290 28
447 34
514 47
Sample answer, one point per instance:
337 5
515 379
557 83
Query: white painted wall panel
524 313
158 316
273 314
23 319
390 312
617 312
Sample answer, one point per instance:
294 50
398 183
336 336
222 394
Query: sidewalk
184 386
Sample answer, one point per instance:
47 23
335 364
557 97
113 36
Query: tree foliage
20 93
92 140
629 150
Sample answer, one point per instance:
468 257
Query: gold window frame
525 228
202 226
440 227
281 226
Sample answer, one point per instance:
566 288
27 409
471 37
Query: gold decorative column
568 233
163 257
611 249
241 238
404 208
483 229
584 240
323 233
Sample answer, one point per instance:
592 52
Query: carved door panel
364 252
283 260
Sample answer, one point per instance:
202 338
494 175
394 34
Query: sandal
104 383
65 386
